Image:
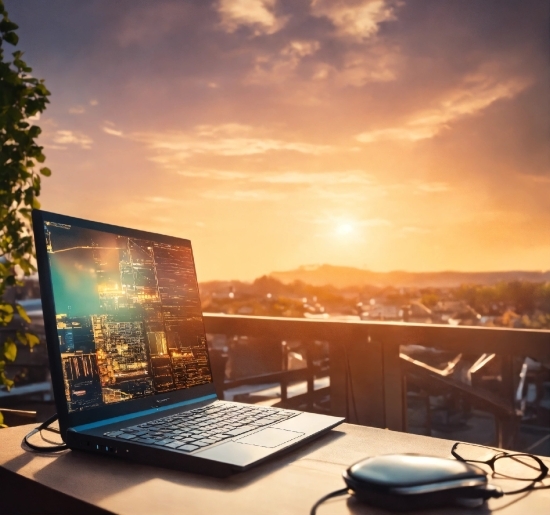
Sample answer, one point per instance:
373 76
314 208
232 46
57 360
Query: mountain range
343 277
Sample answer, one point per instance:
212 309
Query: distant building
157 343
417 313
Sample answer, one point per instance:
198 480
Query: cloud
315 178
150 23
278 67
364 222
161 200
113 132
225 129
345 196
221 175
286 178
259 15
355 19
360 68
398 133
221 140
474 95
72 138
77 110
243 195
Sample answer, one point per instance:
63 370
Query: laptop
129 360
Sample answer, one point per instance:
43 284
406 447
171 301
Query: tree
22 98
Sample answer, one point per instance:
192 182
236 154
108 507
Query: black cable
43 448
336 493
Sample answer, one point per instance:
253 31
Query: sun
345 228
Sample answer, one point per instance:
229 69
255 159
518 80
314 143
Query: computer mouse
403 482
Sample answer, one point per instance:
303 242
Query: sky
380 134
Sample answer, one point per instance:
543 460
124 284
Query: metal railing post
284 381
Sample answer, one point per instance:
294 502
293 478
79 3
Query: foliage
522 296
515 304
429 299
22 99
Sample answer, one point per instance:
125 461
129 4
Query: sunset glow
380 134
344 229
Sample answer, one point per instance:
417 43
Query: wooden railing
367 375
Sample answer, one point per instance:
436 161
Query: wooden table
76 482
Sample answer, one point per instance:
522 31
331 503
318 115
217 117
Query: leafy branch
22 99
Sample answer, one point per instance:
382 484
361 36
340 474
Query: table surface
287 485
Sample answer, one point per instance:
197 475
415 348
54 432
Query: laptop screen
128 315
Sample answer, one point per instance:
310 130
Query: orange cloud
473 96
276 68
65 137
259 15
223 140
355 19
112 132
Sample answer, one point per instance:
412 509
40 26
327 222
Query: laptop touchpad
270 437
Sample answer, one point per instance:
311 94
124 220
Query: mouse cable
43 448
336 493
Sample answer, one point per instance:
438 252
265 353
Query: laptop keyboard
201 427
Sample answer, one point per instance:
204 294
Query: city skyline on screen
129 319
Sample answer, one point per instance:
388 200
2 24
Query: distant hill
342 277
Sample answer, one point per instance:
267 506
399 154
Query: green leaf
11 38
23 313
32 339
6 313
7 308
21 97
8 383
10 350
9 26
2 420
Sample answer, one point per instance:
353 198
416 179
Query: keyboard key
240 430
148 441
126 436
188 448
112 434
207 441
203 426
174 445
260 423
164 442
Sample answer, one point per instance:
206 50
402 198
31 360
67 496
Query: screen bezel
76 418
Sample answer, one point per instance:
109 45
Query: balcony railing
368 372
367 363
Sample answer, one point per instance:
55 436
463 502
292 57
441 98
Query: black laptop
129 359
